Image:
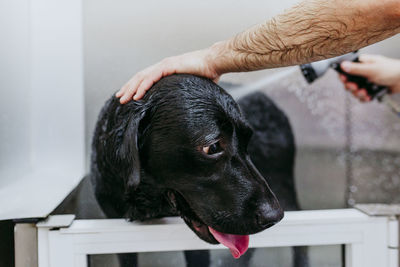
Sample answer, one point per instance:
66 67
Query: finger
367 98
143 87
368 58
351 86
119 93
122 90
360 69
154 75
130 90
343 78
124 100
355 93
362 94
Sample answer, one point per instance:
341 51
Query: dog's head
189 137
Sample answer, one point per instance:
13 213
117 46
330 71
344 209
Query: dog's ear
129 151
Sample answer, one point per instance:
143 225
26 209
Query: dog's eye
212 149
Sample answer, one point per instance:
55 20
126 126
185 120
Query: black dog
186 142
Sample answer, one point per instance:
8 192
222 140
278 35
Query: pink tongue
238 244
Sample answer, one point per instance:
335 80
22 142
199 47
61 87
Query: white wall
14 88
41 104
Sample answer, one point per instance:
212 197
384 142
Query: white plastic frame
370 241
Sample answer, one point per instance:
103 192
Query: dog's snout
267 215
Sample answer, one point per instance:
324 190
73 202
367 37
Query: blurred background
347 152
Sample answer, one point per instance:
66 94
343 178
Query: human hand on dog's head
377 69
196 63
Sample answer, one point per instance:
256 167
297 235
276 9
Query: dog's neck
148 201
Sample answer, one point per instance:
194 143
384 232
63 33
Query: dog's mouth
237 244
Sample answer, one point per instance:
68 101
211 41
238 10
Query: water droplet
353 189
351 202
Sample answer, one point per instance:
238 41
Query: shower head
315 70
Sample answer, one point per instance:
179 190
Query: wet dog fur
148 160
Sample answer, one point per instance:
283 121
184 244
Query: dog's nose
267 216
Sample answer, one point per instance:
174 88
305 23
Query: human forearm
309 31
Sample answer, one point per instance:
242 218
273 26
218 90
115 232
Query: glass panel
316 256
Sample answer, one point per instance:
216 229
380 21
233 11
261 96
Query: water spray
315 70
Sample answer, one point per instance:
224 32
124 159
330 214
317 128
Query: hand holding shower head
315 70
